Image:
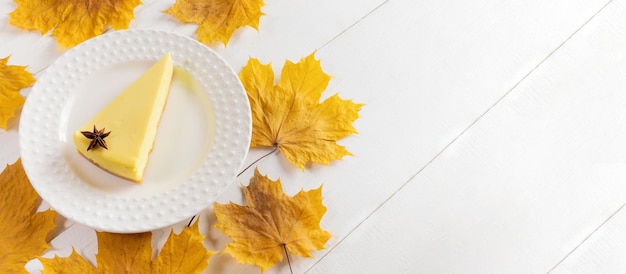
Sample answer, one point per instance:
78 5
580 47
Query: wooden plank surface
603 250
436 185
453 76
521 188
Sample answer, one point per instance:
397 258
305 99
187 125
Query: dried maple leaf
289 116
72 264
272 223
73 21
217 20
23 231
132 253
12 79
183 253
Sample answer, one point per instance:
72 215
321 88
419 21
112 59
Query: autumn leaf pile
268 227
288 116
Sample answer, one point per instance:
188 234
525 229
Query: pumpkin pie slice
120 137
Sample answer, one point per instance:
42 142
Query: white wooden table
493 139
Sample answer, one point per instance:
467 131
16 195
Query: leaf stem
287 255
257 160
190 221
244 170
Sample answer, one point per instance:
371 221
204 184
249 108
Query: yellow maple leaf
217 20
132 253
73 21
272 223
183 253
72 264
289 116
12 80
23 232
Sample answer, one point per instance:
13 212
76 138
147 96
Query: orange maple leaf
217 20
132 253
73 21
23 232
289 116
272 223
12 80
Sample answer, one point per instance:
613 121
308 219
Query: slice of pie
131 122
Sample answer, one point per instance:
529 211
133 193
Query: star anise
97 138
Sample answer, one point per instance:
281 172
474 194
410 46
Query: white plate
202 140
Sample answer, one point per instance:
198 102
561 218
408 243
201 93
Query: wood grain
490 140
522 187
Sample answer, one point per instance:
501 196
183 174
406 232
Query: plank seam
614 213
353 24
586 238
461 134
